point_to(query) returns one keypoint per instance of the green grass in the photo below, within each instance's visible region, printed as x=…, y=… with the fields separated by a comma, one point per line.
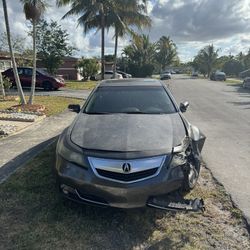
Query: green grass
x=54, y=105
x=234, y=81
x=33, y=216
x=80, y=85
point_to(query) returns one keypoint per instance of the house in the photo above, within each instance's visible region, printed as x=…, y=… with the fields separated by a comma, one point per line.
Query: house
x=21, y=61
x=68, y=69
x=5, y=61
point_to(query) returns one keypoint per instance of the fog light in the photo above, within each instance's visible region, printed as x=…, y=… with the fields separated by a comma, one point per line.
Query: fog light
x=67, y=189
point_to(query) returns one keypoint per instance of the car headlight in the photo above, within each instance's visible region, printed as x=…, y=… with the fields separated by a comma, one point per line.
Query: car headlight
x=71, y=155
x=180, y=153
x=57, y=80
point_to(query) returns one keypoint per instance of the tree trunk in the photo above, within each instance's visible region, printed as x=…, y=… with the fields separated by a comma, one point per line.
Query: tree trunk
x=115, y=55
x=103, y=42
x=17, y=80
x=33, y=85
x=2, y=86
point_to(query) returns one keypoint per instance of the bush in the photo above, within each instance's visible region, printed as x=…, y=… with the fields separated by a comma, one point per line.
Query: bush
x=87, y=67
x=7, y=83
x=141, y=71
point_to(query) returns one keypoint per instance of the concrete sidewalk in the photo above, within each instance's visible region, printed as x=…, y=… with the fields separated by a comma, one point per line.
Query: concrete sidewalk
x=18, y=149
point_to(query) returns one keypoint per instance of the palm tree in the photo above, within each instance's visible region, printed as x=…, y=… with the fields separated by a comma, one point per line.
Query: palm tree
x=208, y=57
x=33, y=10
x=129, y=13
x=93, y=15
x=141, y=51
x=166, y=52
x=17, y=80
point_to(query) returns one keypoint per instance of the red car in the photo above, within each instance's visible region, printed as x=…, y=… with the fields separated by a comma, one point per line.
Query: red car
x=43, y=79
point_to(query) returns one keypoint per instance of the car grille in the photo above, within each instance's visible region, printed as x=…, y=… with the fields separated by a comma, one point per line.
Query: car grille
x=127, y=171
x=127, y=177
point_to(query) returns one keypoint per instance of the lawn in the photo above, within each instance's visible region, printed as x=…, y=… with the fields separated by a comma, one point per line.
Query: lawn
x=54, y=105
x=80, y=85
x=33, y=216
x=234, y=81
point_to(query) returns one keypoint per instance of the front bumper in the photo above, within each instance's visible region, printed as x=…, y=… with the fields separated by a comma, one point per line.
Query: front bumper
x=82, y=185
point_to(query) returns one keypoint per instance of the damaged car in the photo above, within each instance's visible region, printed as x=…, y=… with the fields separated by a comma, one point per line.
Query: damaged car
x=130, y=146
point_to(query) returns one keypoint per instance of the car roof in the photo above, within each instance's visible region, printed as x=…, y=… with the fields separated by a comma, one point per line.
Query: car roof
x=130, y=82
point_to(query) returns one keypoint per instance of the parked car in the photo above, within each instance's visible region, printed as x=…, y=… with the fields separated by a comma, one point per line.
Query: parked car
x=108, y=75
x=43, y=79
x=195, y=74
x=246, y=82
x=165, y=75
x=218, y=76
x=129, y=145
x=124, y=74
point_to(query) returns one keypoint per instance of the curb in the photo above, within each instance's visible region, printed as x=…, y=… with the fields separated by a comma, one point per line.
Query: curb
x=12, y=166
x=245, y=218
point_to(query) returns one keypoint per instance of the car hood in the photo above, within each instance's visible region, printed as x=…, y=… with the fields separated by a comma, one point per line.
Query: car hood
x=128, y=132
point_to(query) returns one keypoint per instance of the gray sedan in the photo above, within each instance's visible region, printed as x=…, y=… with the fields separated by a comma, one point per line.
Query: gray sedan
x=129, y=145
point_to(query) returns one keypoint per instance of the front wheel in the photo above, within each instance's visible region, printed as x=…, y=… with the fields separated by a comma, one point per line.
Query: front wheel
x=47, y=86
x=191, y=175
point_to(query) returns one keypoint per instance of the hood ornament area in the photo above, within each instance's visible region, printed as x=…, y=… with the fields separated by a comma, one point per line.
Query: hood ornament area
x=126, y=167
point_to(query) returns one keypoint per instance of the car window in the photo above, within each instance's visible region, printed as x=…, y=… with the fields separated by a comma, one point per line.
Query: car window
x=130, y=99
x=20, y=71
x=109, y=73
x=28, y=72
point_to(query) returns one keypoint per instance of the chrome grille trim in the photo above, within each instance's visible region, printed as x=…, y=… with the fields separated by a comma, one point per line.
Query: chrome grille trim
x=137, y=165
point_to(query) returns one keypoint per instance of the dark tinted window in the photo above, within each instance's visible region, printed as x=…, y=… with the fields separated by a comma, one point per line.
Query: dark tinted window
x=28, y=72
x=20, y=71
x=130, y=99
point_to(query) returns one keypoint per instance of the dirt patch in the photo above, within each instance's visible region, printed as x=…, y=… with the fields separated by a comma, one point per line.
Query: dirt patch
x=9, y=98
x=33, y=216
x=37, y=108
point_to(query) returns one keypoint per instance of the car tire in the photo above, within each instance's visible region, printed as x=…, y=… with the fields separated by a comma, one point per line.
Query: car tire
x=191, y=175
x=92, y=78
x=47, y=86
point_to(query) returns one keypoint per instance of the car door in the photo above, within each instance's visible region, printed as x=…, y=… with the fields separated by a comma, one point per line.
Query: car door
x=39, y=79
x=21, y=73
x=27, y=78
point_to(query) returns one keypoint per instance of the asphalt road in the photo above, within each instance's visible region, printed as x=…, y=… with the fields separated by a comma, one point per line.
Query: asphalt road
x=222, y=112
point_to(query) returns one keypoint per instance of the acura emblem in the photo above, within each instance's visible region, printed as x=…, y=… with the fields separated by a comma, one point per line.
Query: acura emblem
x=126, y=167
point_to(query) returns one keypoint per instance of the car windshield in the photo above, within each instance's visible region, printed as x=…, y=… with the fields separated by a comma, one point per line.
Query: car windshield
x=43, y=72
x=130, y=100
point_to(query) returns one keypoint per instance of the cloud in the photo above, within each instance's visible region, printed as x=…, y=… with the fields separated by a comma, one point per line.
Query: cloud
x=192, y=24
x=201, y=20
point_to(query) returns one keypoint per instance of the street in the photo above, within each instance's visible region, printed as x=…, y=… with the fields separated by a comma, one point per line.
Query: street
x=222, y=111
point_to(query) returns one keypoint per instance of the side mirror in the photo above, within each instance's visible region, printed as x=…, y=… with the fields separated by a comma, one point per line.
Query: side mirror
x=74, y=107
x=184, y=106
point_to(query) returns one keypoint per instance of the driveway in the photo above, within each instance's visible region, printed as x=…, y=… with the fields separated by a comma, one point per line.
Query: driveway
x=81, y=94
x=222, y=112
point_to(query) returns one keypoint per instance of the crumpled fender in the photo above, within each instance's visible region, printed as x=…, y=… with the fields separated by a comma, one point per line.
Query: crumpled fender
x=195, y=134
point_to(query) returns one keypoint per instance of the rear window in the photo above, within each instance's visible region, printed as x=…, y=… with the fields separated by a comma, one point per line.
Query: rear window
x=130, y=99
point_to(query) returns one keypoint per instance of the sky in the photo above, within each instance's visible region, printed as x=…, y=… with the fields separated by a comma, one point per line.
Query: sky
x=191, y=24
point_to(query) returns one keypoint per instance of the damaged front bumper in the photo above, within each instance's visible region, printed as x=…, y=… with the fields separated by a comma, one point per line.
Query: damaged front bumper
x=176, y=202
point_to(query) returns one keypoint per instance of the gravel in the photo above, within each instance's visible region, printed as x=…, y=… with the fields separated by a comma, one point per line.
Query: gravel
x=6, y=130
x=16, y=116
